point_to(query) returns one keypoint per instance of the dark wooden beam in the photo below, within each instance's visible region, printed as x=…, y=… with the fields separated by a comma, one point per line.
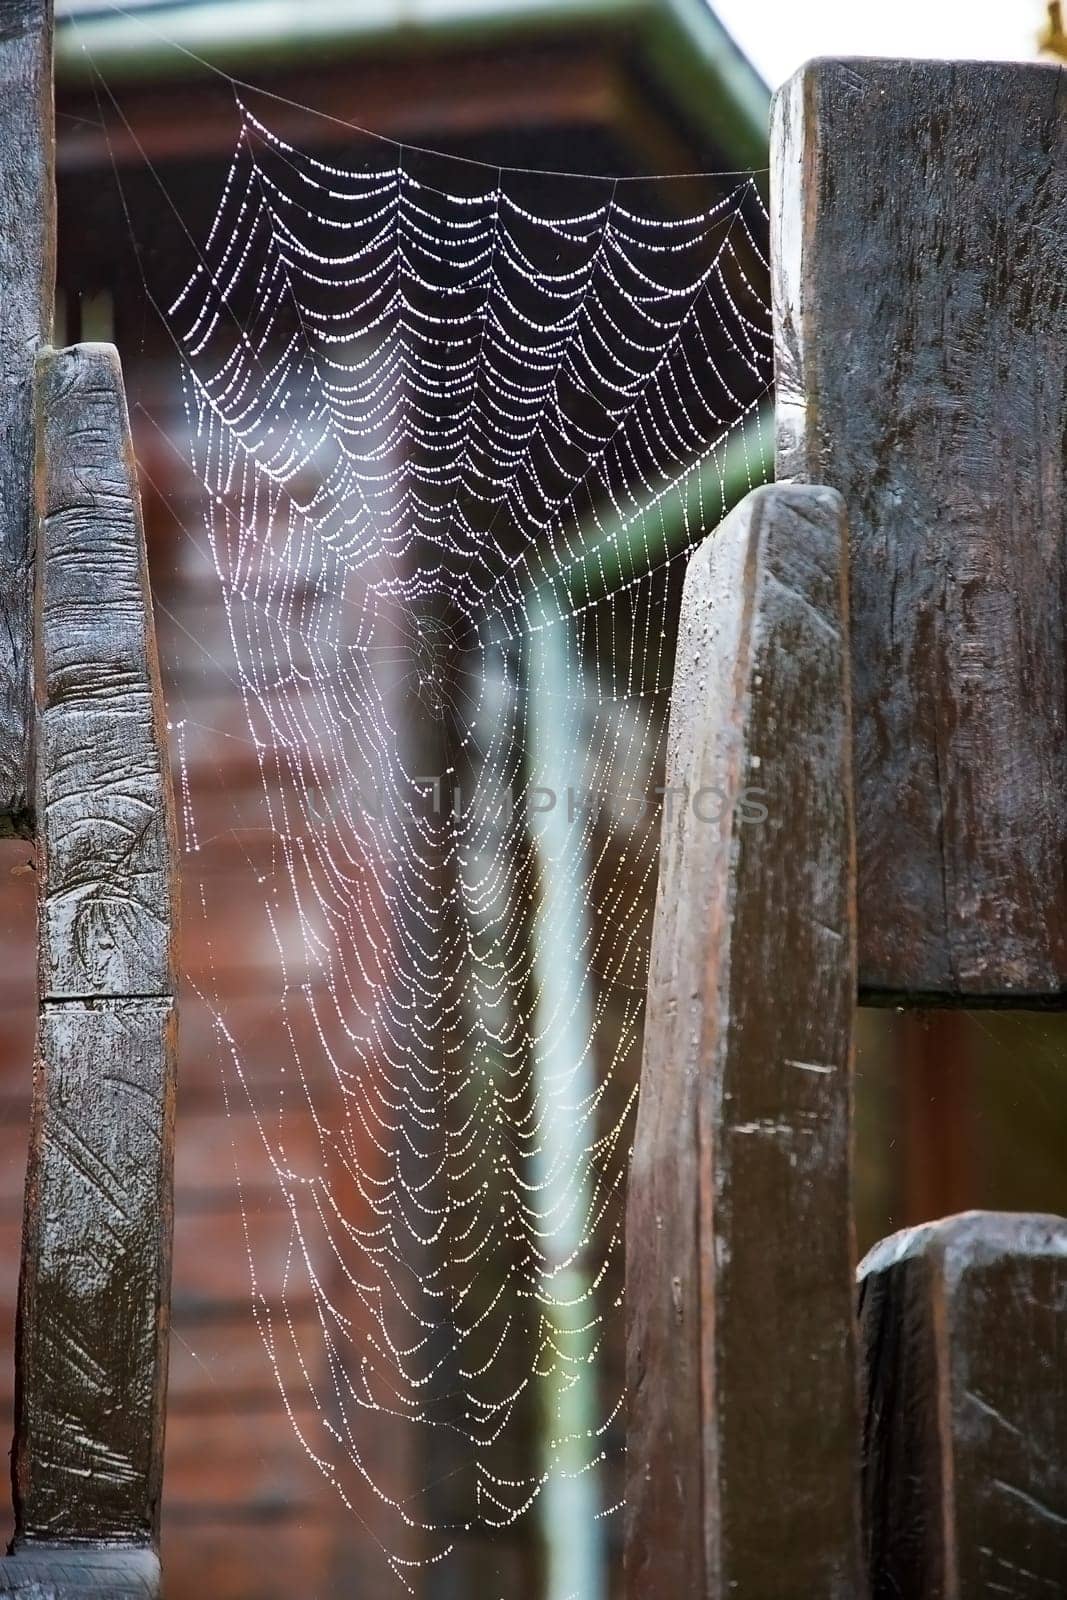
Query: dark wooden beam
x=964, y=1330
x=743, y=1443
x=474, y=95
x=920, y=233
x=80, y=1575
x=94, y=1296
x=27, y=277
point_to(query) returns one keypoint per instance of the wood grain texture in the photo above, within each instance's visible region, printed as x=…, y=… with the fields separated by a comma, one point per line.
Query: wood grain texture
x=919, y=229
x=88, y=1449
x=964, y=1333
x=103, y=799
x=80, y=1575
x=94, y=1291
x=27, y=279
x=743, y=1441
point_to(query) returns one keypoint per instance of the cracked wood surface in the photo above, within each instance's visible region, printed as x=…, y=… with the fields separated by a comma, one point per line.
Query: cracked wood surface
x=964, y=1332
x=919, y=235
x=27, y=276
x=743, y=1438
x=102, y=796
x=94, y=1293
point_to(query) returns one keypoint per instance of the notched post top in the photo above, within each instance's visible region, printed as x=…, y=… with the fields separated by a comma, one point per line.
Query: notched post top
x=963, y=1332
x=919, y=243
x=743, y=1443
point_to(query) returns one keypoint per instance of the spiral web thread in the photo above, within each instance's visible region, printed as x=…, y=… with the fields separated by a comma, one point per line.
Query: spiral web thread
x=458, y=431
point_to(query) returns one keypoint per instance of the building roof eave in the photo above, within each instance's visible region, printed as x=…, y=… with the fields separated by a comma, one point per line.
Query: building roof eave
x=683, y=42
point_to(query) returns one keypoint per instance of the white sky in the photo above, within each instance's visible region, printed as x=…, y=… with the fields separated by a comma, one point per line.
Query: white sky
x=779, y=35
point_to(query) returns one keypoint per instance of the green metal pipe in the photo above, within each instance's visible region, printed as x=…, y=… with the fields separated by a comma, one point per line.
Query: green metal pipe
x=564, y=1070
x=617, y=550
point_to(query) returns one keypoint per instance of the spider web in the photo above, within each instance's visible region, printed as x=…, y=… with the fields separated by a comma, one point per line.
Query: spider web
x=459, y=429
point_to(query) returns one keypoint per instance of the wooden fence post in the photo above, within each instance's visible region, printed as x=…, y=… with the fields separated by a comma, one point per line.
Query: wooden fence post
x=94, y=1292
x=919, y=234
x=743, y=1446
x=27, y=279
x=94, y=1295
x=964, y=1328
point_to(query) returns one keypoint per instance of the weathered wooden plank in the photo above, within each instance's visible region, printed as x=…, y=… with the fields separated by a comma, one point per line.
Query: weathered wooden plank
x=743, y=1442
x=27, y=274
x=96, y=1268
x=964, y=1331
x=78, y=1574
x=94, y=1291
x=919, y=232
x=104, y=811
